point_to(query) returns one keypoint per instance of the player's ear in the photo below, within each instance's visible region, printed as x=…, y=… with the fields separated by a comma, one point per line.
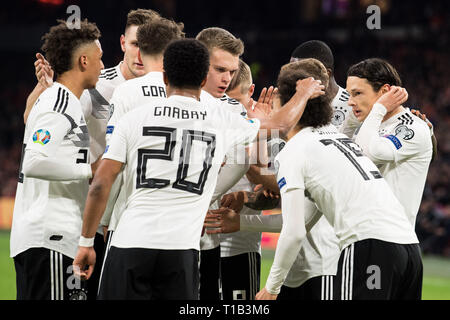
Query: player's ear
x=139, y=56
x=166, y=81
x=122, y=42
x=83, y=62
x=251, y=90
x=203, y=82
x=385, y=88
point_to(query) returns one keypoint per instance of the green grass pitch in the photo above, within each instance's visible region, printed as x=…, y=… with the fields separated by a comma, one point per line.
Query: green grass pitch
x=436, y=282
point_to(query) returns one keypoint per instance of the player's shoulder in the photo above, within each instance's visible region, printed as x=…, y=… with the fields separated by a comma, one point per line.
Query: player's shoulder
x=59, y=99
x=109, y=74
x=409, y=127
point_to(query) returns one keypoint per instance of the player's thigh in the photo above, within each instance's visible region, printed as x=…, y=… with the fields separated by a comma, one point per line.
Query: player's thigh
x=176, y=275
x=44, y=274
x=242, y=284
x=370, y=269
x=127, y=274
x=210, y=274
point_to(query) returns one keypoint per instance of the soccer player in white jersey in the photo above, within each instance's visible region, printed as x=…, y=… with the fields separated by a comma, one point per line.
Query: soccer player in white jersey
x=153, y=39
x=241, y=250
x=380, y=256
x=224, y=49
x=171, y=152
x=95, y=102
x=55, y=169
x=396, y=140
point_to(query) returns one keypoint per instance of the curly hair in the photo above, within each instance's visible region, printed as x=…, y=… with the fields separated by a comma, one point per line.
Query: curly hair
x=153, y=37
x=61, y=42
x=186, y=63
x=318, y=111
x=377, y=72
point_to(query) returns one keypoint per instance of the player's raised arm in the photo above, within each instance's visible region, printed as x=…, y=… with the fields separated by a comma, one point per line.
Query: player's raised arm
x=44, y=75
x=288, y=116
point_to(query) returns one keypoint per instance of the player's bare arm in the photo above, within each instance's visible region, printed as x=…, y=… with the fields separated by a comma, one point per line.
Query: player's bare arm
x=44, y=75
x=288, y=116
x=95, y=205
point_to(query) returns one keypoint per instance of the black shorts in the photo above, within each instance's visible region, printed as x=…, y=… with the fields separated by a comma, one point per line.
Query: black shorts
x=210, y=281
x=149, y=274
x=317, y=288
x=240, y=276
x=378, y=270
x=99, y=247
x=44, y=274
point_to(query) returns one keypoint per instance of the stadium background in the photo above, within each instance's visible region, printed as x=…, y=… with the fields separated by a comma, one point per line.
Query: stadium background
x=414, y=37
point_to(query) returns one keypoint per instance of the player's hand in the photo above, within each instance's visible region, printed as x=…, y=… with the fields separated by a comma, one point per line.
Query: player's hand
x=310, y=88
x=263, y=107
x=234, y=200
x=394, y=98
x=265, y=295
x=267, y=193
x=223, y=220
x=85, y=258
x=43, y=71
x=422, y=116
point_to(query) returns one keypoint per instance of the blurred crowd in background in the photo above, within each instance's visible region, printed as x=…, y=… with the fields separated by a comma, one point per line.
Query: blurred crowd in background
x=414, y=37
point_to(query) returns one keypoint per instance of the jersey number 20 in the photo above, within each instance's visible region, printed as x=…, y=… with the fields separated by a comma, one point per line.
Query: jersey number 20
x=169, y=134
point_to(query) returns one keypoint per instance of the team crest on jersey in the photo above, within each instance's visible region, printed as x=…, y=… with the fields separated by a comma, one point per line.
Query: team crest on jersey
x=338, y=118
x=250, y=120
x=404, y=132
x=41, y=136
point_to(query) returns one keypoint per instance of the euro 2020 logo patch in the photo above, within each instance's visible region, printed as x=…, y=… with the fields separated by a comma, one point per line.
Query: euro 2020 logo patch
x=41, y=136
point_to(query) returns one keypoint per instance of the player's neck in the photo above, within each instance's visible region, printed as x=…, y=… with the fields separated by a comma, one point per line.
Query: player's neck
x=126, y=73
x=393, y=113
x=153, y=64
x=72, y=82
x=190, y=93
x=293, y=132
x=334, y=87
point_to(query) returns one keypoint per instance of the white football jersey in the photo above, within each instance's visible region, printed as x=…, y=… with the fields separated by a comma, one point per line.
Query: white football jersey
x=128, y=96
x=341, y=109
x=95, y=105
x=48, y=213
x=172, y=150
x=364, y=207
x=406, y=175
x=235, y=155
x=320, y=251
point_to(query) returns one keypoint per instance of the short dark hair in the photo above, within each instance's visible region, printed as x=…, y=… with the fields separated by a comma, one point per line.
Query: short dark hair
x=222, y=39
x=139, y=17
x=315, y=49
x=318, y=111
x=61, y=42
x=153, y=37
x=243, y=78
x=186, y=63
x=377, y=72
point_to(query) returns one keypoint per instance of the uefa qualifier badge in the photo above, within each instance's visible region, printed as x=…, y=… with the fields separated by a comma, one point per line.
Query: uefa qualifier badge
x=41, y=136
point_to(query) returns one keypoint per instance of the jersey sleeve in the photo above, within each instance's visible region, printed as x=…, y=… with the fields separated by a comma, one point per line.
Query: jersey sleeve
x=116, y=149
x=48, y=132
x=40, y=160
x=117, y=110
x=290, y=172
x=241, y=130
x=404, y=142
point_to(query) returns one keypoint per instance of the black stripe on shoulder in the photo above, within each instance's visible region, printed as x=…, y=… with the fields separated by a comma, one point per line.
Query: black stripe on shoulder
x=57, y=99
x=63, y=101
x=109, y=70
x=67, y=102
